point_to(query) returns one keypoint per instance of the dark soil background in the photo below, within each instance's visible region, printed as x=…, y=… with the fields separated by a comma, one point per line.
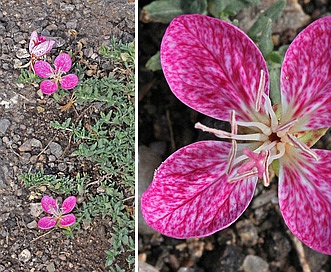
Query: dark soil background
x=28, y=143
x=259, y=240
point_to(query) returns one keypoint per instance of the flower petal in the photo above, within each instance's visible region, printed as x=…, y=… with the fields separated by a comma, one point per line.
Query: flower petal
x=68, y=204
x=43, y=69
x=67, y=220
x=46, y=222
x=69, y=81
x=33, y=40
x=305, y=77
x=212, y=66
x=49, y=204
x=305, y=200
x=190, y=195
x=48, y=86
x=63, y=62
x=43, y=48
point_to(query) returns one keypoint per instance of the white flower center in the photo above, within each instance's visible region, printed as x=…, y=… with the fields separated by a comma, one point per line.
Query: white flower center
x=271, y=138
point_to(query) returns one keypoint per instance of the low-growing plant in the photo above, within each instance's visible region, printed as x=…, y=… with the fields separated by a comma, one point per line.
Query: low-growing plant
x=106, y=138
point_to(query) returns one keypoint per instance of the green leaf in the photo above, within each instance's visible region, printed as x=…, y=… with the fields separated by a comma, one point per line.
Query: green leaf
x=275, y=11
x=194, y=7
x=154, y=63
x=260, y=32
x=224, y=8
x=162, y=11
x=274, y=93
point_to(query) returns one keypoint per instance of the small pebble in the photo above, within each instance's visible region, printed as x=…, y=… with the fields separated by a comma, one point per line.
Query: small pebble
x=247, y=232
x=4, y=124
x=36, y=209
x=24, y=256
x=50, y=267
x=32, y=225
x=254, y=263
x=56, y=149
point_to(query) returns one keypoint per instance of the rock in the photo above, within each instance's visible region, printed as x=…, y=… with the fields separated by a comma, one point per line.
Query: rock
x=280, y=249
x=36, y=209
x=315, y=259
x=148, y=161
x=55, y=149
x=30, y=144
x=218, y=260
x=4, y=124
x=32, y=225
x=145, y=267
x=263, y=199
x=24, y=256
x=25, y=158
x=22, y=53
x=247, y=232
x=72, y=24
x=50, y=267
x=254, y=263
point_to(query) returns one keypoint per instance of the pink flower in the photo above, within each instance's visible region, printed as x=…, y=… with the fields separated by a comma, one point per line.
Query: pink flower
x=62, y=65
x=59, y=216
x=214, y=68
x=39, y=46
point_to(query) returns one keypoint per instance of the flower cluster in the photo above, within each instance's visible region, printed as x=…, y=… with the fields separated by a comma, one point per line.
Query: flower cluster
x=60, y=216
x=216, y=69
x=39, y=46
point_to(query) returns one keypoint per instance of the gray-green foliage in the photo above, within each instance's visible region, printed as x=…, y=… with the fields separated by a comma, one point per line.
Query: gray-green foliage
x=106, y=138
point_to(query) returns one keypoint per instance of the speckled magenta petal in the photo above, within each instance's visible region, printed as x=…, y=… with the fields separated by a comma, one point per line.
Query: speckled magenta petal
x=43, y=69
x=48, y=86
x=49, y=204
x=190, y=195
x=305, y=200
x=69, y=81
x=306, y=77
x=212, y=66
x=47, y=222
x=63, y=62
x=67, y=220
x=68, y=204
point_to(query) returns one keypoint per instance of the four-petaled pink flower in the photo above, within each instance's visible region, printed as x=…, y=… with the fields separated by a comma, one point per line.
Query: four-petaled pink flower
x=214, y=68
x=60, y=216
x=62, y=65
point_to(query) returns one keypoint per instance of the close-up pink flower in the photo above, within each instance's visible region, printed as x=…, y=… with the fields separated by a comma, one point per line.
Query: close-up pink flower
x=62, y=65
x=216, y=69
x=60, y=216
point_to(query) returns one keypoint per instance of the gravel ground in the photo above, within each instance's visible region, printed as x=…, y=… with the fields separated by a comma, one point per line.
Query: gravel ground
x=259, y=240
x=27, y=143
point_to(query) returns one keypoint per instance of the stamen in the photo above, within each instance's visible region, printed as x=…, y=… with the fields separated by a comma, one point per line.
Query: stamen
x=227, y=135
x=216, y=132
x=232, y=154
x=303, y=147
x=285, y=127
x=270, y=111
x=281, y=149
x=266, y=179
x=260, y=91
x=233, y=150
x=233, y=122
x=245, y=175
x=264, y=128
